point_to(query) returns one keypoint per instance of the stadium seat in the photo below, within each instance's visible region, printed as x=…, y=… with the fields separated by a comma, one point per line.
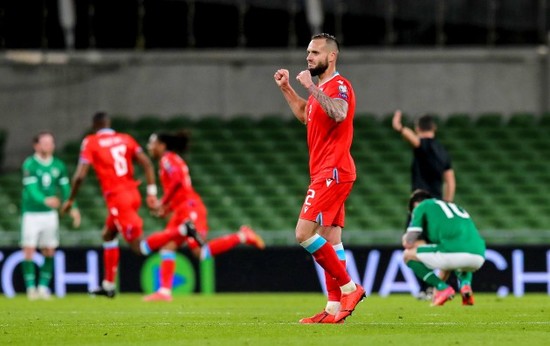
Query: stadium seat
x=489, y=120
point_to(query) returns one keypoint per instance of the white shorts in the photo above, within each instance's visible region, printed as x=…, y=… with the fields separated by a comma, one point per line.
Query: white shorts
x=463, y=261
x=40, y=229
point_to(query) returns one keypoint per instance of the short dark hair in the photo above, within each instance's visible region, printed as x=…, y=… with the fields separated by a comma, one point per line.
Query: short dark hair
x=100, y=116
x=418, y=196
x=426, y=123
x=177, y=142
x=101, y=120
x=39, y=135
x=328, y=38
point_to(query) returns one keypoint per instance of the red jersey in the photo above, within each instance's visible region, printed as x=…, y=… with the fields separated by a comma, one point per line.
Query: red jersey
x=176, y=181
x=111, y=154
x=329, y=142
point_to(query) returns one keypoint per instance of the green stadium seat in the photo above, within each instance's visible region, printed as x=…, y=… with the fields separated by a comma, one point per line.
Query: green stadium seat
x=178, y=122
x=457, y=120
x=522, y=120
x=494, y=120
x=121, y=122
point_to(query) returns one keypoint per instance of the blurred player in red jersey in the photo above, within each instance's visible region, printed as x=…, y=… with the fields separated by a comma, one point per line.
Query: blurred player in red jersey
x=180, y=202
x=328, y=115
x=111, y=154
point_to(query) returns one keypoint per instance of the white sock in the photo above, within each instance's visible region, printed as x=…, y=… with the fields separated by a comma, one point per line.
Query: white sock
x=108, y=286
x=348, y=288
x=332, y=307
x=165, y=291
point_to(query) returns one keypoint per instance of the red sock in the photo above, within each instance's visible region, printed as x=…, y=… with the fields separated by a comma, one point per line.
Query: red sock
x=156, y=240
x=223, y=243
x=167, y=269
x=111, y=256
x=333, y=290
x=328, y=260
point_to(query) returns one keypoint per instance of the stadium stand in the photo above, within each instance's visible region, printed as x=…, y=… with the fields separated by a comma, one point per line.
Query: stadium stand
x=255, y=172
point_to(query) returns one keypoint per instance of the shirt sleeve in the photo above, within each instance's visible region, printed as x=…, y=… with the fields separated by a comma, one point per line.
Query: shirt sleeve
x=65, y=183
x=86, y=151
x=417, y=219
x=30, y=184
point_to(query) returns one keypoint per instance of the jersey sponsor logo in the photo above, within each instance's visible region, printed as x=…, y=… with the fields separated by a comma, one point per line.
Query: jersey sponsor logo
x=329, y=181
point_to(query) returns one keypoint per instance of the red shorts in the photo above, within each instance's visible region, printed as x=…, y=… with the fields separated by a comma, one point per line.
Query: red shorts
x=123, y=216
x=324, y=202
x=196, y=211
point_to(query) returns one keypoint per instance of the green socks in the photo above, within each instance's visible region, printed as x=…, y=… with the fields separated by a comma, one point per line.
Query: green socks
x=427, y=275
x=46, y=272
x=464, y=278
x=29, y=273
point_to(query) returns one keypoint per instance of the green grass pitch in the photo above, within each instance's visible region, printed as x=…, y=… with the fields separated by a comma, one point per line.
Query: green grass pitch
x=272, y=319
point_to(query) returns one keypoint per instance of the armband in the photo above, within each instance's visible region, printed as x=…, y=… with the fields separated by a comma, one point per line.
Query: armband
x=152, y=190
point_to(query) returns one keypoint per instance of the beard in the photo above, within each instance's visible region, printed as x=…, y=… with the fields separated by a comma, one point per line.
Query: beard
x=318, y=70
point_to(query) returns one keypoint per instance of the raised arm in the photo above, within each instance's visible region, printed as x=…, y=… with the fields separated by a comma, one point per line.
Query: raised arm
x=296, y=102
x=408, y=134
x=336, y=109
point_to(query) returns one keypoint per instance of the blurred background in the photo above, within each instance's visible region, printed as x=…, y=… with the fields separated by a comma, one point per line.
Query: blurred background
x=480, y=66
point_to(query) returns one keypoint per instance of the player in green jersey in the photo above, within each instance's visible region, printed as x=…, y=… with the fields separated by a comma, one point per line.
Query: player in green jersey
x=45, y=180
x=453, y=243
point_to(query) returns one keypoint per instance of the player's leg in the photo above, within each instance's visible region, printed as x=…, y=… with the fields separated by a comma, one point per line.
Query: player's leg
x=46, y=274
x=245, y=235
x=29, y=241
x=333, y=235
x=334, y=294
x=426, y=291
x=180, y=229
x=166, y=273
x=168, y=261
x=465, y=286
x=321, y=206
x=198, y=214
x=158, y=239
x=423, y=260
x=111, y=257
x=48, y=242
x=466, y=263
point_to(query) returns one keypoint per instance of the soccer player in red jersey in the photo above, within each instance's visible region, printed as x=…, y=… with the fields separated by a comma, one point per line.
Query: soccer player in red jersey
x=328, y=115
x=111, y=154
x=180, y=202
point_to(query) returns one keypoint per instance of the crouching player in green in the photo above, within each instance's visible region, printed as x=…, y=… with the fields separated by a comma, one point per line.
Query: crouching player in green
x=453, y=244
